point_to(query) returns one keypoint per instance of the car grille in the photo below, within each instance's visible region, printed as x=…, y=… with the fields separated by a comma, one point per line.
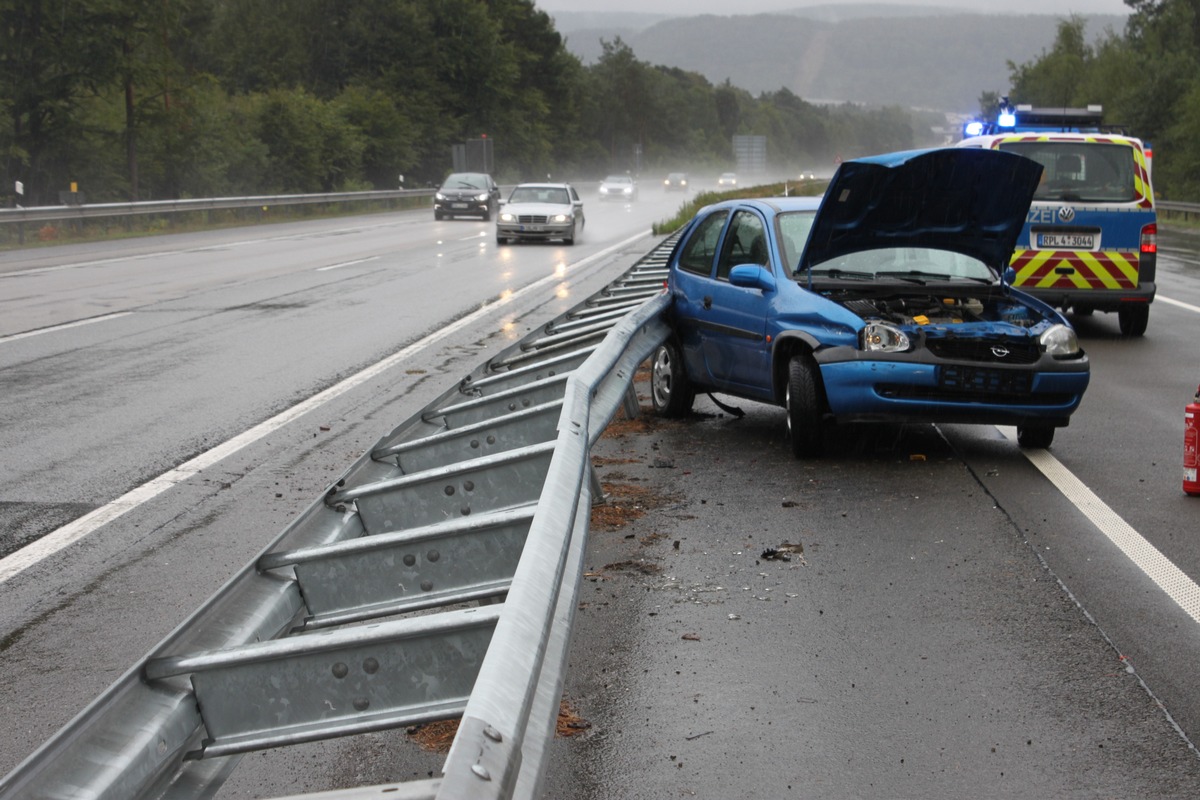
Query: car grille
x=983, y=351
x=532, y=219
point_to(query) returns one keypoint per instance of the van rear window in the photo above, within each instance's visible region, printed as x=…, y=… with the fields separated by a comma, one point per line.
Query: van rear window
x=1081, y=171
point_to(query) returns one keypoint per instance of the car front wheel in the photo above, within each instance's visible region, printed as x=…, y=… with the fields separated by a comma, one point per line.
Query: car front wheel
x=570, y=239
x=802, y=400
x=670, y=389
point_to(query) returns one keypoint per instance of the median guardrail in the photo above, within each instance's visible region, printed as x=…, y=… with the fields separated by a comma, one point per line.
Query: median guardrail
x=436, y=579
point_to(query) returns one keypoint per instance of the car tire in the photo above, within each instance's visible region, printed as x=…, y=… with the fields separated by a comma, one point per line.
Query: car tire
x=1133, y=319
x=501, y=239
x=670, y=390
x=1035, y=436
x=570, y=239
x=802, y=400
x=487, y=215
x=437, y=215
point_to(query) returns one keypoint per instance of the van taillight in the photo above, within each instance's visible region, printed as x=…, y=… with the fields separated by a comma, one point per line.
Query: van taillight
x=1150, y=238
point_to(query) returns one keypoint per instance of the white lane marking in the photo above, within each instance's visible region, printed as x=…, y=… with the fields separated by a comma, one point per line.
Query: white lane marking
x=63, y=327
x=1172, y=580
x=1178, y=303
x=72, y=532
x=347, y=263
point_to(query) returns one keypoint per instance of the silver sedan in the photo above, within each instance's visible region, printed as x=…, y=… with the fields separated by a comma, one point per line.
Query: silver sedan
x=540, y=211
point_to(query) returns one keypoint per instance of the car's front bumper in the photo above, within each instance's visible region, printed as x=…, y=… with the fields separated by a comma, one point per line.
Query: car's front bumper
x=864, y=389
x=455, y=207
x=542, y=230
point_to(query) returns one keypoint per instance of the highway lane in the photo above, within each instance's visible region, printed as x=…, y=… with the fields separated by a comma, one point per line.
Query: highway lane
x=195, y=341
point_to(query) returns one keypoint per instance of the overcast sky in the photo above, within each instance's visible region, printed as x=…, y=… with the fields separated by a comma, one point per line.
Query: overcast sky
x=726, y=8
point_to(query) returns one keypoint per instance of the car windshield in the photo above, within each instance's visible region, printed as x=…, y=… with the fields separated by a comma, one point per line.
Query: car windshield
x=618, y=179
x=1081, y=171
x=465, y=180
x=794, y=227
x=911, y=264
x=540, y=194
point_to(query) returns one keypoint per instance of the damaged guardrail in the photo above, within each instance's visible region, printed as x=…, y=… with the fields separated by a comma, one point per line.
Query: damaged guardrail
x=436, y=579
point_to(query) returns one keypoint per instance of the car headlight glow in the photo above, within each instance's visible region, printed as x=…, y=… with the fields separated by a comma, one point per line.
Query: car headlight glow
x=1060, y=341
x=880, y=337
x=561, y=218
x=507, y=217
x=482, y=197
x=440, y=196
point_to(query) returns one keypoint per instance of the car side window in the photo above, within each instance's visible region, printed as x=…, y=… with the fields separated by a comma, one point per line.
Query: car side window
x=745, y=244
x=697, y=254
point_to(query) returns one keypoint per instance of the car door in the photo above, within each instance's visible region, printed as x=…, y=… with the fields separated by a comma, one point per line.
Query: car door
x=733, y=335
x=691, y=278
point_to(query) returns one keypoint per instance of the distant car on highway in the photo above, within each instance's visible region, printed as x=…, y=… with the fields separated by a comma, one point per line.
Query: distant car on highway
x=807, y=175
x=541, y=211
x=676, y=182
x=886, y=300
x=467, y=194
x=618, y=187
x=727, y=180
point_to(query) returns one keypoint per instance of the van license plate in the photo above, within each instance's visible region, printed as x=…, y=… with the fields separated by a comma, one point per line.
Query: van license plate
x=1067, y=241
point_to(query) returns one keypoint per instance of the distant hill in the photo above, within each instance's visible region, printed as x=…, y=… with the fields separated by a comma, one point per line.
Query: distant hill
x=911, y=56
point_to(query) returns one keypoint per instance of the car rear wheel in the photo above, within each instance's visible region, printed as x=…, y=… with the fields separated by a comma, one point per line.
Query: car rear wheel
x=1035, y=436
x=803, y=403
x=1133, y=319
x=670, y=389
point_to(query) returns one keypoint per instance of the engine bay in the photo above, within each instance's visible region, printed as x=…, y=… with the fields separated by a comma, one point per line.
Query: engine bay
x=926, y=309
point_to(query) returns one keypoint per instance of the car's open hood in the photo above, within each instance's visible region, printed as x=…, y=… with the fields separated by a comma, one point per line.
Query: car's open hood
x=968, y=200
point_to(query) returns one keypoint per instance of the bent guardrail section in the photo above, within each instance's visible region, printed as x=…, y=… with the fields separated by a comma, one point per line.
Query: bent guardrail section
x=436, y=579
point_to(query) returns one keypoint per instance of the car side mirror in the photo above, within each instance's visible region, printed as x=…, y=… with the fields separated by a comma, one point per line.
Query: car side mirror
x=752, y=276
x=1008, y=276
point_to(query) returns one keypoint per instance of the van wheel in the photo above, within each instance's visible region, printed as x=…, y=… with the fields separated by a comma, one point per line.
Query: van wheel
x=670, y=389
x=1035, y=436
x=803, y=402
x=1133, y=318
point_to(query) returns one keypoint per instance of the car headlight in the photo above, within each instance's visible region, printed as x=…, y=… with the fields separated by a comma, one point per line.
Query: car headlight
x=482, y=197
x=1060, y=341
x=880, y=337
x=507, y=217
x=439, y=196
x=561, y=218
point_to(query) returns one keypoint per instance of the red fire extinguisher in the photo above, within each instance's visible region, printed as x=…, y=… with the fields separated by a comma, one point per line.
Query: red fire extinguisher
x=1191, y=446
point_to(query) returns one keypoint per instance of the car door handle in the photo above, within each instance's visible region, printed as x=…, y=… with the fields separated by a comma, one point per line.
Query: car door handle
x=707, y=303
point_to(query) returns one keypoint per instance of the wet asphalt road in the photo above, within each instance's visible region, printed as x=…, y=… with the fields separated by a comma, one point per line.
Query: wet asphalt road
x=953, y=626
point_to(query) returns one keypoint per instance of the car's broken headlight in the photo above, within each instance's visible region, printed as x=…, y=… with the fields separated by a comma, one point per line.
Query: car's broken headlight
x=1060, y=341
x=883, y=338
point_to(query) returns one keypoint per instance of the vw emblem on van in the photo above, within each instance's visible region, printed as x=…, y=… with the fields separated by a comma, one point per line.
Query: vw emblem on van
x=1066, y=214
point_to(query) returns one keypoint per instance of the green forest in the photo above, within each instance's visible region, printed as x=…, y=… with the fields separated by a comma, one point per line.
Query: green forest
x=166, y=99
x=1147, y=77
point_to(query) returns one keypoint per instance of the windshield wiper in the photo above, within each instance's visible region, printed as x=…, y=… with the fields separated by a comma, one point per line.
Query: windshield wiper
x=850, y=274
x=915, y=276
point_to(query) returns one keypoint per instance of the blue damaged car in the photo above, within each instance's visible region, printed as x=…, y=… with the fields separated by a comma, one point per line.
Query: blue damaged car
x=886, y=300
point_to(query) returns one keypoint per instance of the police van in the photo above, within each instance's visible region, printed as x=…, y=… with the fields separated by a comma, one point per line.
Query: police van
x=1090, y=239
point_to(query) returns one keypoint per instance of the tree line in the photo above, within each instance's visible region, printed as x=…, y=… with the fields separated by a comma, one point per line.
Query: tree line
x=1146, y=76
x=164, y=99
